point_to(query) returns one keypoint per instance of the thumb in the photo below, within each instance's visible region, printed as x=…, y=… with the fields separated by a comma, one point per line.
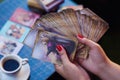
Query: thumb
x=86, y=41
x=62, y=54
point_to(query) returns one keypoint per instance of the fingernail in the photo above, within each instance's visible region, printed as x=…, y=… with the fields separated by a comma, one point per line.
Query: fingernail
x=59, y=48
x=80, y=36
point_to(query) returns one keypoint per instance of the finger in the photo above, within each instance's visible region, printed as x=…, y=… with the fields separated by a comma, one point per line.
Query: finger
x=63, y=54
x=86, y=41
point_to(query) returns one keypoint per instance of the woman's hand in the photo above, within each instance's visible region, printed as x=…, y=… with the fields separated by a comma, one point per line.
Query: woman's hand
x=69, y=70
x=97, y=61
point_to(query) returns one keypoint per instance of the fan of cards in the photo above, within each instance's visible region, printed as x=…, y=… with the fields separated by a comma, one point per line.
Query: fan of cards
x=61, y=28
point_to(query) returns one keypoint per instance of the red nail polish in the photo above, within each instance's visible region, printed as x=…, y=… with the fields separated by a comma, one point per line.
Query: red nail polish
x=80, y=36
x=59, y=48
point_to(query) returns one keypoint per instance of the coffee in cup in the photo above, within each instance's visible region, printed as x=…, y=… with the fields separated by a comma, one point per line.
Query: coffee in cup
x=12, y=63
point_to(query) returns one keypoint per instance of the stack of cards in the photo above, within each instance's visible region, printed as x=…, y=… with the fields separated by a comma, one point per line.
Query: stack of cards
x=49, y=5
x=68, y=23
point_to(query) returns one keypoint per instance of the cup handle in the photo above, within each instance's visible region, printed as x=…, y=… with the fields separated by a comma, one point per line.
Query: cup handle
x=24, y=61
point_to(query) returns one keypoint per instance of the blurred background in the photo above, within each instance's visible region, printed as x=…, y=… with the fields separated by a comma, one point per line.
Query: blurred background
x=109, y=11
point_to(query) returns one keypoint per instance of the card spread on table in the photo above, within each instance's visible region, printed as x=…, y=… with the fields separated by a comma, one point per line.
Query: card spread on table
x=8, y=46
x=24, y=17
x=14, y=31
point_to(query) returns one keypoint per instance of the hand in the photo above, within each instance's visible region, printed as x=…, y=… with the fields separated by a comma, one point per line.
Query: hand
x=97, y=61
x=69, y=70
x=97, y=58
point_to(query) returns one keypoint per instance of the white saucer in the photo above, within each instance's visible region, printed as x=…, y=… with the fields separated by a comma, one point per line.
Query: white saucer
x=23, y=74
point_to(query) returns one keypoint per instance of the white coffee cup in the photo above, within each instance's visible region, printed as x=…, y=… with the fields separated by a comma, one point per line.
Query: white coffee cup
x=12, y=63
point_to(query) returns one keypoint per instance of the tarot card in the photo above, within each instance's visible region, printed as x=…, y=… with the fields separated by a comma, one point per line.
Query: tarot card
x=49, y=5
x=69, y=16
x=24, y=17
x=14, y=31
x=45, y=47
x=91, y=28
x=49, y=23
x=59, y=24
x=92, y=14
x=41, y=25
x=31, y=37
x=53, y=23
x=82, y=52
x=78, y=7
x=101, y=28
x=8, y=46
